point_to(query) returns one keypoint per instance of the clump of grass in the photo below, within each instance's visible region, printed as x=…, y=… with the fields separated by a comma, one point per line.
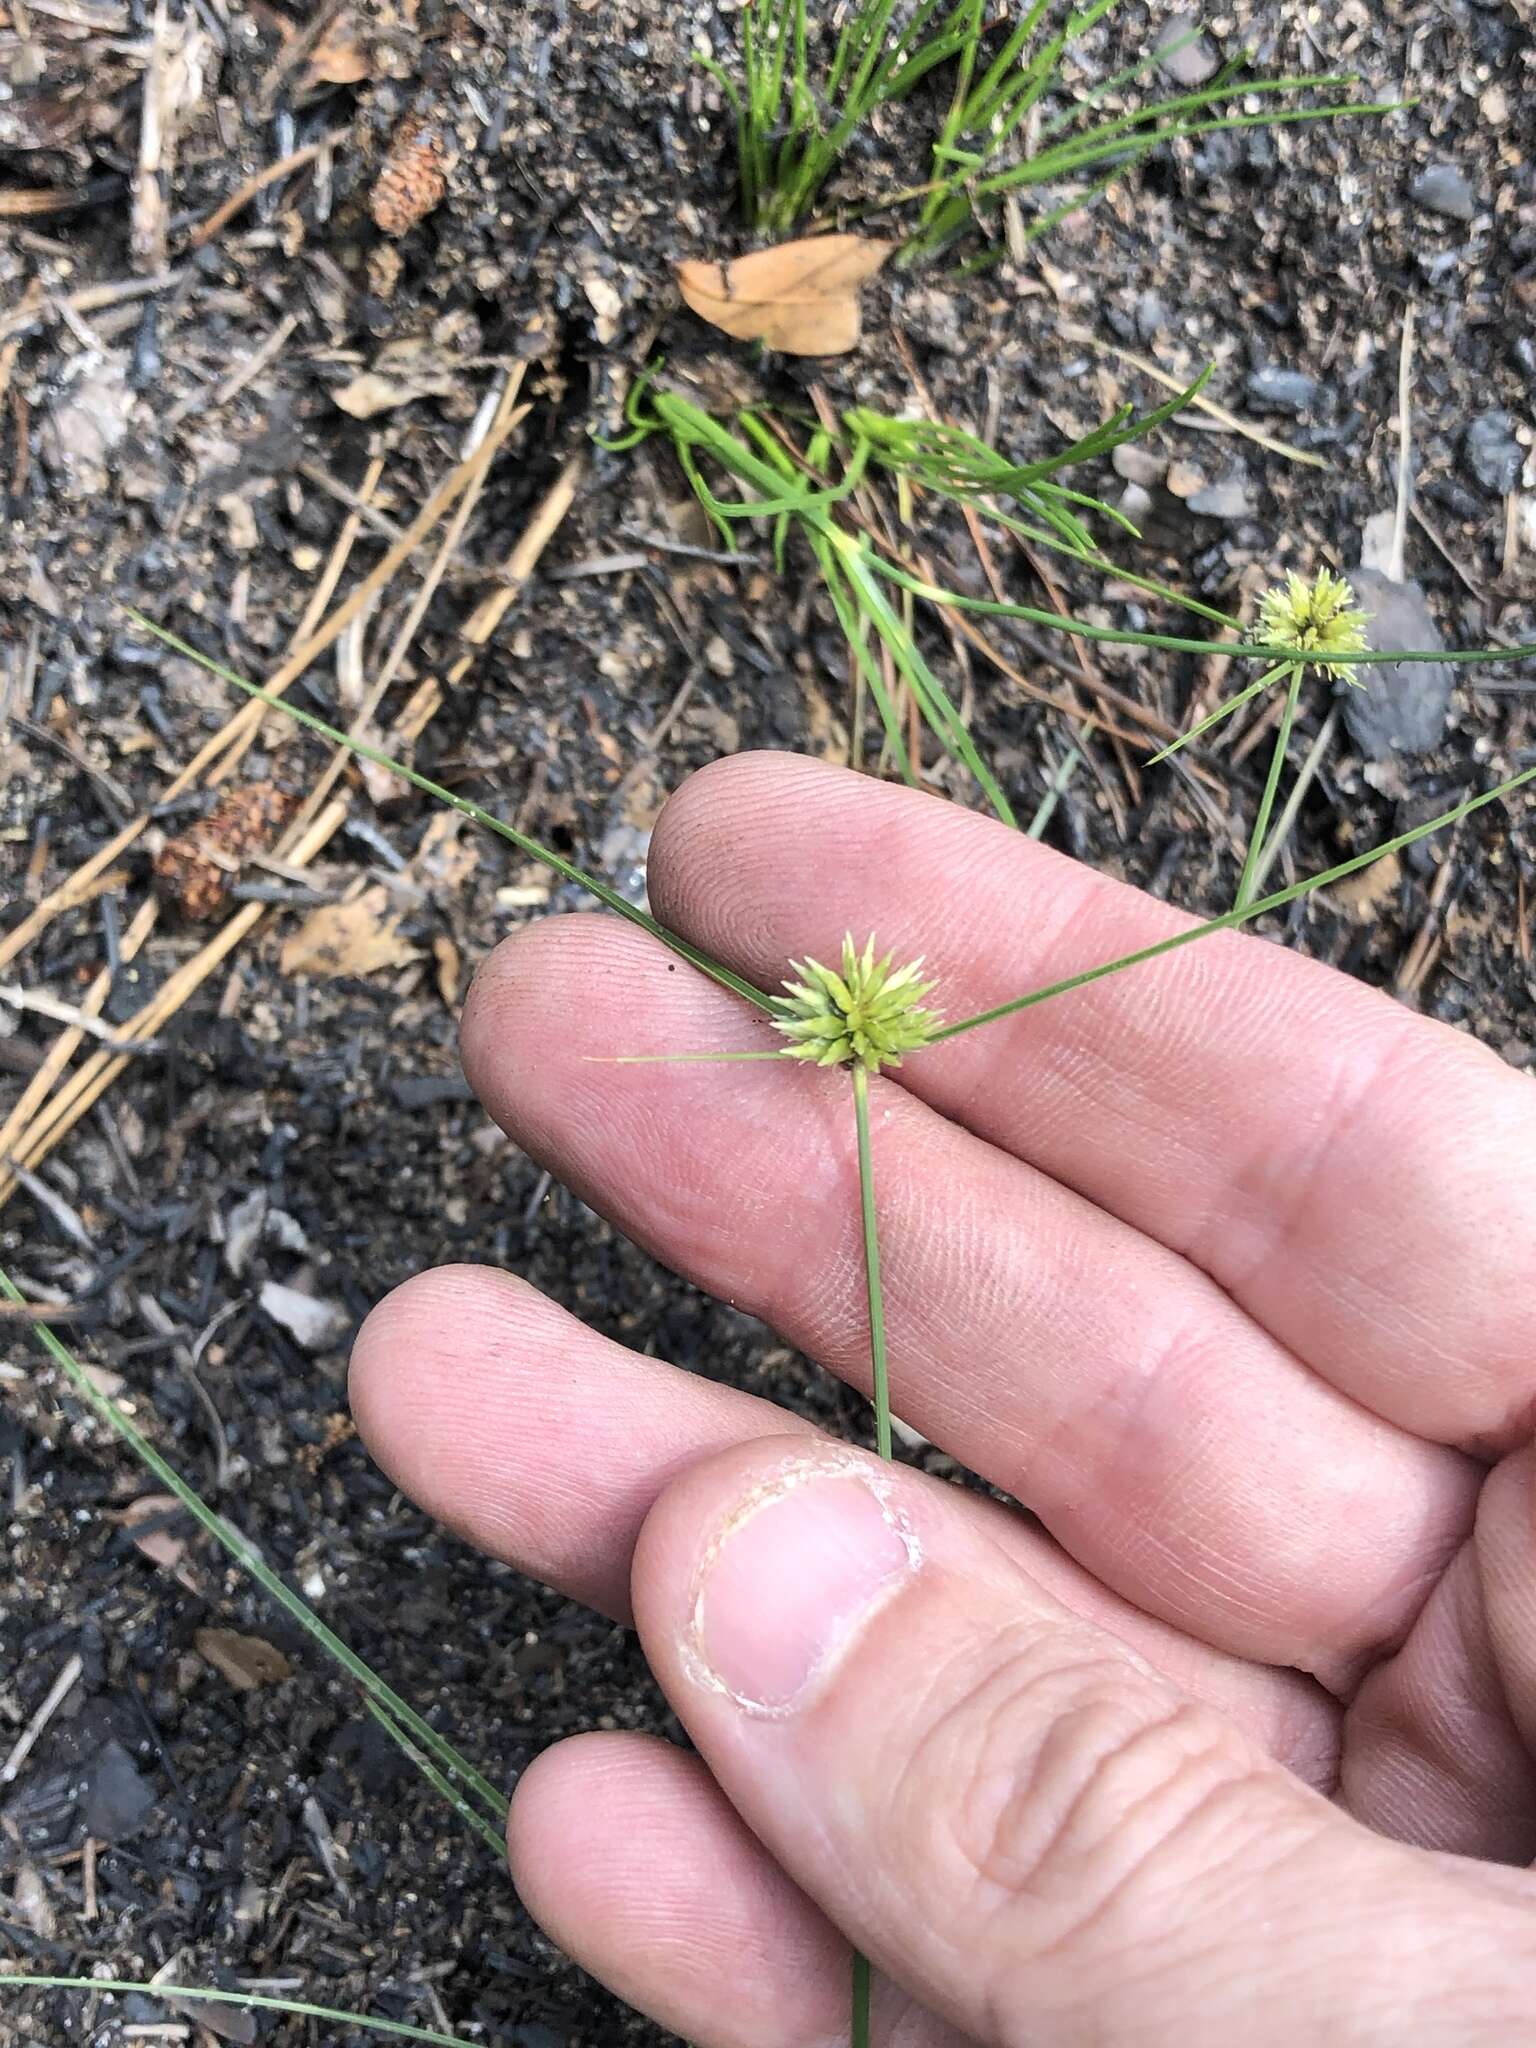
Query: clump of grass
x=995, y=114
x=791, y=491
x=796, y=117
x=793, y=122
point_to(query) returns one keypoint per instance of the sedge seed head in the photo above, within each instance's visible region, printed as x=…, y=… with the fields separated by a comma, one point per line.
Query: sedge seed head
x=868, y=1015
x=1318, y=613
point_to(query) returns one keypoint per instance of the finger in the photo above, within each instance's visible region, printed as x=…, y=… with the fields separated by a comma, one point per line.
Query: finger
x=1031, y=1832
x=1505, y=1546
x=630, y=1858
x=546, y=1445
x=1338, y=1165
x=1172, y=1447
x=1432, y=1753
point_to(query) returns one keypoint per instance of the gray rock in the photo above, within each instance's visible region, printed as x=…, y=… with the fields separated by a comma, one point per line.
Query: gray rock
x=117, y=1799
x=1274, y=389
x=1493, y=454
x=1230, y=497
x=1442, y=188
x=1396, y=709
x=1184, y=55
x=1152, y=316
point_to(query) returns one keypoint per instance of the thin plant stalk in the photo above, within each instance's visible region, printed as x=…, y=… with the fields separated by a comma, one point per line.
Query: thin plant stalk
x=1231, y=919
x=880, y=1378
x=1228, y=921
x=858, y=2018
x=1248, y=884
x=880, y=1394
x=545, y=855
x=402, y=2030
x=251, y=1561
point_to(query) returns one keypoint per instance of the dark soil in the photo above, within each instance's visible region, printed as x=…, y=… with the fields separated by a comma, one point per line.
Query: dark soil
x=585, y=154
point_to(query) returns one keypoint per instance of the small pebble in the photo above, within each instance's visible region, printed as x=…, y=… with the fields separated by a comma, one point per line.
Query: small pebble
x=1230, y=497
x=1195, y=62
x=1273, y=389
x=1493, y=454
x=1442, y=188
x=1396, y=710
x=117, y=1798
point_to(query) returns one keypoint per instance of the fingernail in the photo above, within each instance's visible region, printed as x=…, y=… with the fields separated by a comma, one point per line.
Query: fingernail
x=789, y=1583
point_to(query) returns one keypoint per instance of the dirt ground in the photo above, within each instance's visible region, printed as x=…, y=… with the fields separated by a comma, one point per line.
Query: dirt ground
x=172, y=436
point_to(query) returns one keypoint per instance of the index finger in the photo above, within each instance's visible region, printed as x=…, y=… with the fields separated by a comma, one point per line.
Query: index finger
x=1361, y=1180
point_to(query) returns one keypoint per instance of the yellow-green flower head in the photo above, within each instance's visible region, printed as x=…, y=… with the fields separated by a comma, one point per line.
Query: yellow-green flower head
x=869, y=1015
x=1318, y=613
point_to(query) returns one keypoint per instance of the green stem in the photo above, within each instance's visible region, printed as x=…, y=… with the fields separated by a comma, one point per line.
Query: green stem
x=880, y=1393
x=880, y=1381
x=858, y=2025
x=249, y=1559
x=546, y=856
x=211, y=1995
x=1232, y=918
x=1247, y=887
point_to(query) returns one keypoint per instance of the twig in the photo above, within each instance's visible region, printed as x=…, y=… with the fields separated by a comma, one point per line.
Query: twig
x=68, y=1043
x=92, y=1079
x=507, y=415
x=70, y=1013
x=91, y=298
x=1396, y=558
x=57, y=1694
x=242, y=195
x=294, y=52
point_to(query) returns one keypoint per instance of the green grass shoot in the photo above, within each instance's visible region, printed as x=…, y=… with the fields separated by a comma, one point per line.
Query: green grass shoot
x=794, y=119
x=209, y=1994
x=995, y=140
x=472, y=1796
x=798, y=105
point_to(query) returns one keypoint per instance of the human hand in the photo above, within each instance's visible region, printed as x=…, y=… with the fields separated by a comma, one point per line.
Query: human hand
x=1225, y=1267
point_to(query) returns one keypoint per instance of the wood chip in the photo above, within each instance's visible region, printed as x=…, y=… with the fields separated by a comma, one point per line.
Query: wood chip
x=360, y=937
x=801, y=297
x=245, y=1661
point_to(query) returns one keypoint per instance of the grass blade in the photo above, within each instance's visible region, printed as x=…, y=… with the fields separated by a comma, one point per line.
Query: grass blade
x=248, y=1558
x=1247, y=886
x=546, y=856
x=1231, y=919
x=402, y=2030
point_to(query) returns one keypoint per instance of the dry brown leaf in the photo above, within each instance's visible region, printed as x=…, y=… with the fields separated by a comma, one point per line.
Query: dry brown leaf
x=376, y=391
x=158, y=1544
x=359, y=937
x=801, y=297
x=246, y=1661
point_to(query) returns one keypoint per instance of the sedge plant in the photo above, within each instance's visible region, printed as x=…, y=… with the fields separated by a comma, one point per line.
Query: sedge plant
x=798, y=107
x=995, y=141
x=865, y=1015
x=790, y=490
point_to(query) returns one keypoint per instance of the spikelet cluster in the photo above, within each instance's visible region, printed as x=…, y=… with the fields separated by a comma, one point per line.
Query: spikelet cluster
x=868, y=1015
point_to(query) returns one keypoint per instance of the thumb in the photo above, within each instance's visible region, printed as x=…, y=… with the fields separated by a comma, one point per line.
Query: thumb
x=1011, y=1813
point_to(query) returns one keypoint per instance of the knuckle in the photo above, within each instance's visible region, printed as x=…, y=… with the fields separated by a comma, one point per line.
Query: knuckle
x=1085, y=1807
